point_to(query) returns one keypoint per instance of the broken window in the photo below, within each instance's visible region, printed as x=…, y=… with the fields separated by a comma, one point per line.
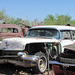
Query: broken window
x=8, y=30
x=53, y=33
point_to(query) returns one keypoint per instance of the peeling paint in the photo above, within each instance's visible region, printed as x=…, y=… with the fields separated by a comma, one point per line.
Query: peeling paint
x=21, y=42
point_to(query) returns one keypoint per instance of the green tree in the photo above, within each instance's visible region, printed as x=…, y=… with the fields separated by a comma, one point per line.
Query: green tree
x=72, y=22
x=26, y=22
x=62, y=19
x=36, y=22
x=57, y=20
x=2, y=14
x=49, y=20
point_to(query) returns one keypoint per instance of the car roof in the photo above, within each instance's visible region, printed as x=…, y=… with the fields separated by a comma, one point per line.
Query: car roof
x=58, y=27
x=10, y=26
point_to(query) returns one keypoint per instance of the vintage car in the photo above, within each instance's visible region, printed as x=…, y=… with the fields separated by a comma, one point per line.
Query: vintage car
x=12, y=30
x=42, y=44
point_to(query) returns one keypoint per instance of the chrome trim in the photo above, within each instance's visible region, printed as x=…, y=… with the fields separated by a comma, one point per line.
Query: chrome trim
x=21, y=53
x=30, y=57
x=59, y=63
x=24, y=56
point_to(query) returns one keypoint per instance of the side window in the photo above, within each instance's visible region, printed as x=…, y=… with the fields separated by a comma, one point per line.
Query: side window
x=65, y=35
x=73, y=34
x=8, y=30
x=15, y=30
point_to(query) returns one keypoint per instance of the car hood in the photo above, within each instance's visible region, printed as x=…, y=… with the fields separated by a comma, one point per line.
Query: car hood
x=19, y=43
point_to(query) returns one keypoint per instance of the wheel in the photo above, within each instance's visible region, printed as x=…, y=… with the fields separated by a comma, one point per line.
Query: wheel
x=41, y=64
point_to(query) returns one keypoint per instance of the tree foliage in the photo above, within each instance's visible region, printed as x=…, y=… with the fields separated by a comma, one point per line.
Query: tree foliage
x=36, y=22
x=2, y=14
x=57, y=20
x=49, y=20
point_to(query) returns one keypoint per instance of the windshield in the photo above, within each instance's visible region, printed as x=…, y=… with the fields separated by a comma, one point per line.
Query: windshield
x=51, y=33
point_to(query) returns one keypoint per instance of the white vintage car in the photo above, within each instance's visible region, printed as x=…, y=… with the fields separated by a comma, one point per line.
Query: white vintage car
x=42, y=43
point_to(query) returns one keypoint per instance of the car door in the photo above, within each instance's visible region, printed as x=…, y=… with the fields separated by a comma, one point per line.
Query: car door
x=66, y=38
x=9, y=33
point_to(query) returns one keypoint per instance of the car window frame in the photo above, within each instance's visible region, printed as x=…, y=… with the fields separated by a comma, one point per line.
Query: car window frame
x=70, y=34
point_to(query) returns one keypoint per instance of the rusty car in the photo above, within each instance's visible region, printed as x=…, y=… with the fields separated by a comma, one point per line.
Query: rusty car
x=12, y=30
x=41, y=45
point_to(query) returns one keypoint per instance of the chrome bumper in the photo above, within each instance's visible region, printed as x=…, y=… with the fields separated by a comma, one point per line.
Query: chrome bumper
x=21, y=59
x=59, y=63
x=34, y=58
x=19, y=63
x=24, y=56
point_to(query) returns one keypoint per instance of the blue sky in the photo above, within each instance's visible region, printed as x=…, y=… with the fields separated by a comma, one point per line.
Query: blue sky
x=31, y=9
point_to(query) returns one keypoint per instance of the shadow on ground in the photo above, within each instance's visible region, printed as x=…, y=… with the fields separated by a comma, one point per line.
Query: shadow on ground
x=10, y=69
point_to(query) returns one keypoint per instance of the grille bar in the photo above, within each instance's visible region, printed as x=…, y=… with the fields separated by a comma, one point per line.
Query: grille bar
x=67, y=60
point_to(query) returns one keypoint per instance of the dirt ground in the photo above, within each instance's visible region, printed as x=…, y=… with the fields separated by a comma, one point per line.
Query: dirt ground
x=10, y=69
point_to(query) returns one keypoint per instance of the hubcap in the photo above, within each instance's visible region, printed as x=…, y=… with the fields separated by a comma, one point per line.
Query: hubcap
x=42, y=64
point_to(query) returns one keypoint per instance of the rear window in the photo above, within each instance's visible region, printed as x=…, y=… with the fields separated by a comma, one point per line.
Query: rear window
x=8, y=30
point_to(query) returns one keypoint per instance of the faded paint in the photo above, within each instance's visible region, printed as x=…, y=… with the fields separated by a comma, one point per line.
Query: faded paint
x=58, y=27
x=19, y=43
x=22, y=31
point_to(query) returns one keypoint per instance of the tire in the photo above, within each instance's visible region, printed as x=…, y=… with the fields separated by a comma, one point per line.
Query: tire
x=41, y=64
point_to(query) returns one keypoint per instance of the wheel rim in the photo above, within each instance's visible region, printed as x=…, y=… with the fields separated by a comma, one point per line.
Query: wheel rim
x=42, y=64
